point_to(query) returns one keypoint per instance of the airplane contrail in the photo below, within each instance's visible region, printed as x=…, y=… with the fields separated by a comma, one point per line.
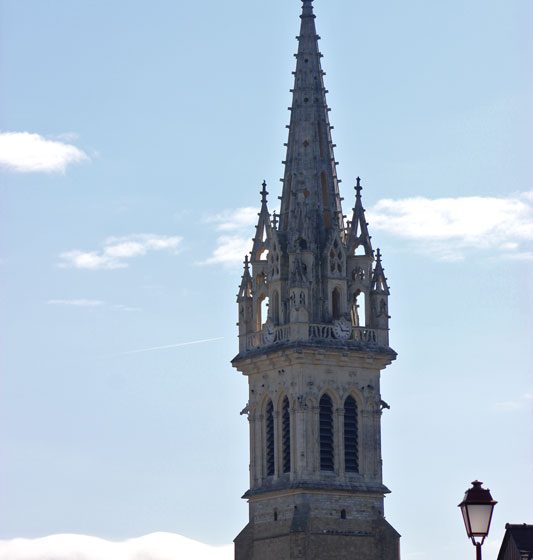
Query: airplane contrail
x=170, y=346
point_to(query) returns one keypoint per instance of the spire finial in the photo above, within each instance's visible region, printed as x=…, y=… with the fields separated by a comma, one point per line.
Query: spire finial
x=274, y=220
x=246, y=264
x=264, y=193
x=378, y=255
x=358, y=187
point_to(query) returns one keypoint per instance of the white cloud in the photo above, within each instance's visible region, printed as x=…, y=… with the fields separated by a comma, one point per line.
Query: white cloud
x=157, y=546
x=444, y=228
x=76, y=302
x=448, y=227
x=117, y=250
x=27, y=152
x=230, y=249
x=231, y=220
x=236, y=232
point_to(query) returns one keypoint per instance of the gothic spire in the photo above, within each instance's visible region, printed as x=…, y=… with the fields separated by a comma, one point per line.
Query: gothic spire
x=310, y=202
x=245, y=289
x=379, y=282
x=263, y=228
x=358, y=235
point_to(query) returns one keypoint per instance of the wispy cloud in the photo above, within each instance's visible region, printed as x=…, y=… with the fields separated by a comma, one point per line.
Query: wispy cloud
x=157, y=546
x=117, y=251
x=76, y=302
x=90, y=303
x=235, y=229
x=516, y=404
x=27, y=152
x=447, y=228
x=169, y=346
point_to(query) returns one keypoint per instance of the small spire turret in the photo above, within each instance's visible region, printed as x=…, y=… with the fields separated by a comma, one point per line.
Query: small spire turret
x=245, y=302
x=358, y=235
x=379, y=298
x=245, y=289
x=379, y=281
x=263, y=228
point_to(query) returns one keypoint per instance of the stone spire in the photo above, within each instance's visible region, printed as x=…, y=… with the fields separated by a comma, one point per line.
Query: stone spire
x=263, y=228
x=358, y=235
x=379, y=282
x=310, y=202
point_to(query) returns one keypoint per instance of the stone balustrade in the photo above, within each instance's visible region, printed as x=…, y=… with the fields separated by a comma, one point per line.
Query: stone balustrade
x=314, y=332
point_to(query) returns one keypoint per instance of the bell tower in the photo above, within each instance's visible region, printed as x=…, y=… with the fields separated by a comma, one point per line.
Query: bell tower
x=313, y=340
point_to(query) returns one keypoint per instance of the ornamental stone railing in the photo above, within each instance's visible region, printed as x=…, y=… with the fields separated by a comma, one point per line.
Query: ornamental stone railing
x=314, y=332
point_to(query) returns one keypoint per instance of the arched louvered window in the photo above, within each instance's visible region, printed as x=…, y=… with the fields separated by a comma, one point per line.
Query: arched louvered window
x=286, y=435
x=351, y=443
x=326, y=434
x=269, y=433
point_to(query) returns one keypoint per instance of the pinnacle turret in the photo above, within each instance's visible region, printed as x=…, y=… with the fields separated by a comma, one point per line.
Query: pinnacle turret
x=379, y=281
x=263, y=228
x=358, y=235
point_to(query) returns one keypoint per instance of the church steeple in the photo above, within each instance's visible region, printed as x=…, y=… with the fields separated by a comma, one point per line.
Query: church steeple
x=310, y=202
x=313, y=340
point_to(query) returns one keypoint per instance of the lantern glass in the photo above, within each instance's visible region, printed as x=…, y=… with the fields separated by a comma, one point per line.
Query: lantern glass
x=479, y=516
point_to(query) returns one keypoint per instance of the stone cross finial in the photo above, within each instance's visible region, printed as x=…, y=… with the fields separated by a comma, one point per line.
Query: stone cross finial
x=358, y=187
x=264, y=193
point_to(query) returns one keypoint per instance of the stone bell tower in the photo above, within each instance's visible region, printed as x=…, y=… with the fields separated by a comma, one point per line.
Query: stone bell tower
x=313, y=339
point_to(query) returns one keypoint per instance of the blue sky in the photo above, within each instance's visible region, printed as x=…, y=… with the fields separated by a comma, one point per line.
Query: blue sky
x=134, y=141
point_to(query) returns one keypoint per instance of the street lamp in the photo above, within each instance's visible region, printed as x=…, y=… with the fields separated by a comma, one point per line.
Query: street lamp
x=477, y=507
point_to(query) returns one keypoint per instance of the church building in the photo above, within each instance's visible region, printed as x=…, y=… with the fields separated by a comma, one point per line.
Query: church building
x=313, y=339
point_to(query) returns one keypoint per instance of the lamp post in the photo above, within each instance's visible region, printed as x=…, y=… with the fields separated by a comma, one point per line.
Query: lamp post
x=477, y=507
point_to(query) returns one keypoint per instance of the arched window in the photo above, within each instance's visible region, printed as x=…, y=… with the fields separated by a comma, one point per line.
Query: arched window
x=269, y=434
x=343, y=514
x=336, y=303
x=286, y=435
x=351, y=444
x=326, y=434
x=358, y=309
x=261, y=311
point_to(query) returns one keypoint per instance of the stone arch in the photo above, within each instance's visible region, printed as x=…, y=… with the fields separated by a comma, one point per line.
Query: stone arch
x=358, y=308
x=261, y=310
